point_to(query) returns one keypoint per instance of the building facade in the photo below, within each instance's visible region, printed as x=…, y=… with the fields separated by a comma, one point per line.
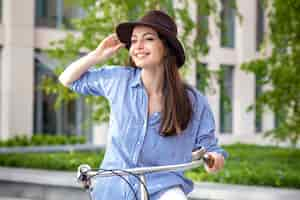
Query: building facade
x=28, y=26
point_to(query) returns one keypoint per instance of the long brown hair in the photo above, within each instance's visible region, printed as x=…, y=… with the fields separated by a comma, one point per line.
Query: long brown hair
x=177, y=108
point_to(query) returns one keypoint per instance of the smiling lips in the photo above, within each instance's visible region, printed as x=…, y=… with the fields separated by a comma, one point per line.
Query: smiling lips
x=141, y=55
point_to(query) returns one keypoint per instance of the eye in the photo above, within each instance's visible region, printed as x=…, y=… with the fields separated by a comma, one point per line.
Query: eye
x=133, y=41
x=150, y=39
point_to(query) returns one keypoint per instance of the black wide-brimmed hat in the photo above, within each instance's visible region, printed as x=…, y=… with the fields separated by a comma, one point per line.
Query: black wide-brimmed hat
x=163, y=24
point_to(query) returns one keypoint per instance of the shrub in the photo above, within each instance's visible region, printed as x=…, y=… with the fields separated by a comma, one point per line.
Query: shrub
x=42, y=139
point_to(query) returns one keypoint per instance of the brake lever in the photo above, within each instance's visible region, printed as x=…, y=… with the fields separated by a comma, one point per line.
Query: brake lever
x=198, y=154
x=82, y=175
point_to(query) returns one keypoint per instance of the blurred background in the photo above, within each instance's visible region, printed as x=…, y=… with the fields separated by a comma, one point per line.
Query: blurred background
x=223, y=34
x=242, y=54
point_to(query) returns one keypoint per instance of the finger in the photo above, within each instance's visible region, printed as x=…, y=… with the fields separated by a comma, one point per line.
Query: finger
x=209, y=169
x=122, y=45
x=117, y=38
x=114, y=36
x=209, y=159
x=213, y=163
x=110, y=37
x=119, y=46
x=219, y=162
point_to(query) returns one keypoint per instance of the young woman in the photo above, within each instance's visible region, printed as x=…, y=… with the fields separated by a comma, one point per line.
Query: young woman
x=155, y=118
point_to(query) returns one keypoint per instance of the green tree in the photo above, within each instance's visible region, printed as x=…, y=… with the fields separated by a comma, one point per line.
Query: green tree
x=281, y=70
x=101, y=18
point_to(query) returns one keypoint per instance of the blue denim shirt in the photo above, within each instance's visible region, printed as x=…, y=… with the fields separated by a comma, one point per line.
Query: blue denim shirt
x=135, y=140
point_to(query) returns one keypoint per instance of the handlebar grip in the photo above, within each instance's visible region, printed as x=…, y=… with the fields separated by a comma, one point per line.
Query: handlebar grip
x=209, y=160
x=82, y=175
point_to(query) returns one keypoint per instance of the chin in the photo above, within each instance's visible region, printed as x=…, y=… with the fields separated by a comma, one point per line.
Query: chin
x=145, y=65
x=141, y=64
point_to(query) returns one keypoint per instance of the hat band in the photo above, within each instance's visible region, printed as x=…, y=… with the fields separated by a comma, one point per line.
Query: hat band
x=162, y=25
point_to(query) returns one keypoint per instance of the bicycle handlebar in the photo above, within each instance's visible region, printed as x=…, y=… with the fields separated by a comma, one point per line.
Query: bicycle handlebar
x=138, y=171
x=85, y=173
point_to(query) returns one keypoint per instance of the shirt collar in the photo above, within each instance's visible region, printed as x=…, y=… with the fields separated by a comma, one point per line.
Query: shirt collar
x=137, y=81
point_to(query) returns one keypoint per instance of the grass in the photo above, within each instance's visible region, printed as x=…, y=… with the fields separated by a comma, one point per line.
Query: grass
x=256, y=165
x=42, y=139
x=247, y=164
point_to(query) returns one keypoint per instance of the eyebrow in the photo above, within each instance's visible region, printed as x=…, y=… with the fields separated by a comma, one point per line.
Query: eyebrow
x=144, y=34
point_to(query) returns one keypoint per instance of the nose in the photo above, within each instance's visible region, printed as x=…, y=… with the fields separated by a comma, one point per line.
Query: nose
x=139, y=44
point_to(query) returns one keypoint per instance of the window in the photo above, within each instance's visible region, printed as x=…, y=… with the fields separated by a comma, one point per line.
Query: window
x=44, y=112
x=226, y=98
x=201, y=71
x=279, y=118
x=260, y=22
x=56, y=13
x=202, y=27
x=258, y=113
x=69, y=118
x=227, y=24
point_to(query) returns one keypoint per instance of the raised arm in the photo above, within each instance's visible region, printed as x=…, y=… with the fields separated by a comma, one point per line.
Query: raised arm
x=107, y=48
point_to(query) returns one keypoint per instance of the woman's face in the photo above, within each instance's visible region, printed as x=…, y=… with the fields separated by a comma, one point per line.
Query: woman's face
x=146, y=50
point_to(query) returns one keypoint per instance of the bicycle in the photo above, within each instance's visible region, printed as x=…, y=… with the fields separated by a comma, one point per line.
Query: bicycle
x=85, y=172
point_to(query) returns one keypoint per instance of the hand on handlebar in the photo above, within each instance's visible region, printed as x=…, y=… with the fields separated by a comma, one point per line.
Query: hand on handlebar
x=213, y=161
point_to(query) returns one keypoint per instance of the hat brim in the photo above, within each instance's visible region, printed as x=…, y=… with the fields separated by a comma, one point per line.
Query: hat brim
x=124, y=31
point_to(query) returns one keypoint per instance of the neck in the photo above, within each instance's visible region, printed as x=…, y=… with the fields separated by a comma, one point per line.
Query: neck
x=153, y=80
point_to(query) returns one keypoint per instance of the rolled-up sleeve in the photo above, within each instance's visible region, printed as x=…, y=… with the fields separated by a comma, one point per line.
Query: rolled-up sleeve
x=98, y=81
x=205, y=135
x=89, y=83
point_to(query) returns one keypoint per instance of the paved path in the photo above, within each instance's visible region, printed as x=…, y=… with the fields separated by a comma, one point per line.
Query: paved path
x=11, y=198
x=216, y=191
